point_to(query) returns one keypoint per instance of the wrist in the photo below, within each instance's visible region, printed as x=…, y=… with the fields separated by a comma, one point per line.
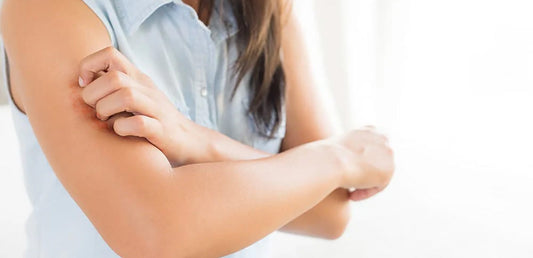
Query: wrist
x=188, y=143
x=338, y=158
x=204, y=145
x=213, y=144
x=220, y=147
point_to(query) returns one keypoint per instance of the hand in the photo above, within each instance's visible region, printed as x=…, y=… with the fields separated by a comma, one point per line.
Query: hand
x=370, y=162
x=116, y=89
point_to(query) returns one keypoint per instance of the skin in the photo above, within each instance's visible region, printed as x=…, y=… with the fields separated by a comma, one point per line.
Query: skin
x=131, y=188
x=159, y=122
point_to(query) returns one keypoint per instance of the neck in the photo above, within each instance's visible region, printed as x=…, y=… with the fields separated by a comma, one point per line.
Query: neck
x=193, y=3
x=202, y=8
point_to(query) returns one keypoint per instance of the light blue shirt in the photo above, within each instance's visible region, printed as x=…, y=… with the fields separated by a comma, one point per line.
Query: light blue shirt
x=192, y=64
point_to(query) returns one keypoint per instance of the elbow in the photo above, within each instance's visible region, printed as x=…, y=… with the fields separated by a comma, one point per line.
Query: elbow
x=180, y=249
x=174, y=240
x=338, y=224
x=141, y=246
x=161, y=251
x=336, y=231
x=156, y=231
x=149, y=240
x=158, y=247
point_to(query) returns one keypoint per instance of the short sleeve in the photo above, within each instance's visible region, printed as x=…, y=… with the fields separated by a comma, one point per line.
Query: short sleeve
x=104, y=11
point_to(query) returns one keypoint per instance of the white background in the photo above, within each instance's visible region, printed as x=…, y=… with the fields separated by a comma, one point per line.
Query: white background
x=450, y=82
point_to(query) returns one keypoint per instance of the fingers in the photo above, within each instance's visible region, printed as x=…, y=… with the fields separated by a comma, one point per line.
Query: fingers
x=105, y=60
x=105, y=85
x=111, y=121
x=125, y=100
x=138, y=125
x=121, y=93
x=375, y=133
x=362, y=194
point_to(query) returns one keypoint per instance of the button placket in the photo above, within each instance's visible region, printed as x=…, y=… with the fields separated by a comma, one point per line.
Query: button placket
x=202, y=105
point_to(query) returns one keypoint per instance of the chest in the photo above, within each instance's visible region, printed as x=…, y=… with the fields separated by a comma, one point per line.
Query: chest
x=193, y=66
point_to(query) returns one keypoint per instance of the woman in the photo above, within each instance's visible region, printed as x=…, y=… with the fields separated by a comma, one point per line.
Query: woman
x=152, y=128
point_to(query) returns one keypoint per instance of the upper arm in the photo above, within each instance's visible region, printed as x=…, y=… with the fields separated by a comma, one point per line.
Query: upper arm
x=309, y=113
x=110, y=177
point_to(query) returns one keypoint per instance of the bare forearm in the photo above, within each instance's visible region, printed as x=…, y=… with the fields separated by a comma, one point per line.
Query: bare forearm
x=224, y=148
x=229, y=205
x=327, y=219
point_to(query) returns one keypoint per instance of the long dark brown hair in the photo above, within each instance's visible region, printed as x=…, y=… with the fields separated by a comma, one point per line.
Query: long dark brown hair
x=260, y=24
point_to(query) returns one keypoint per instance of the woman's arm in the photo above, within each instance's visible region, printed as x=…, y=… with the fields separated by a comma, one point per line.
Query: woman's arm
x=126, y=186
x=157, y=120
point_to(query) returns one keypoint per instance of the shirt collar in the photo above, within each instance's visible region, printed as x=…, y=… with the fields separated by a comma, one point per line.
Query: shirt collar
x=134, y=13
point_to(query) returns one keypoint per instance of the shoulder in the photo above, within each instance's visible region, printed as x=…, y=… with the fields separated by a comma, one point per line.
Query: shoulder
x=33, y=29
x=22, y=12
x=31, y=8
x=52, y=21
x=46, y=40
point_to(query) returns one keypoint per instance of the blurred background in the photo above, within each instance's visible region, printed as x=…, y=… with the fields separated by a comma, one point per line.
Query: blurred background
x=451, y=83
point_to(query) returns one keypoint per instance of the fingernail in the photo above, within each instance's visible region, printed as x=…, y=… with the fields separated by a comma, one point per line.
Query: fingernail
x=81, y=82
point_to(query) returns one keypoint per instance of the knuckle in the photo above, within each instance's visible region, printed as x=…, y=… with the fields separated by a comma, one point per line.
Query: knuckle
x=144, y=79
x=128, y=97
x=111, y=52
x=139, y=122
x=142, y=124
x=84, y=64
x=115, y=78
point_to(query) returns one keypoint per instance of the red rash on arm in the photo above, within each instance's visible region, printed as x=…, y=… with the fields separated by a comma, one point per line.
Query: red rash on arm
x=85, y=111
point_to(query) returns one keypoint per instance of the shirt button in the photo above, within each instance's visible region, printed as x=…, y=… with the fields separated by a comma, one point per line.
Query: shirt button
x=203, y=92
